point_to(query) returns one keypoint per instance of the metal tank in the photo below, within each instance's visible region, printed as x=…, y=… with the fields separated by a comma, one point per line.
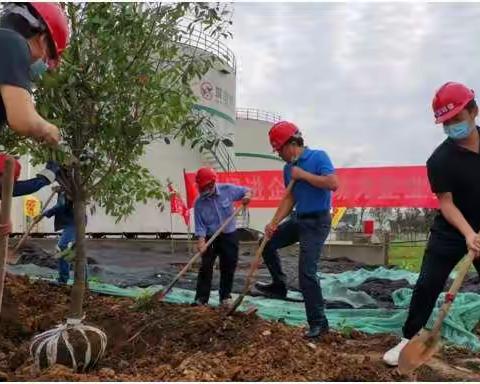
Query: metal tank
x=253, y=152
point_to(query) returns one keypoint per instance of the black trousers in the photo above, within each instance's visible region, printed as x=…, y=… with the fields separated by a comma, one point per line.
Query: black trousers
x=442, y=254
x=226, y=247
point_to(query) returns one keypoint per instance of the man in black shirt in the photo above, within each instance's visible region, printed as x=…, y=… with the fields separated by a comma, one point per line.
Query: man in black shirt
x=32, y=39
x=454, y=175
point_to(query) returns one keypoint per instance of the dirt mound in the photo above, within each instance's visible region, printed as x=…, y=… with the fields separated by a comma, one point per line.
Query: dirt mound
x=168, y=342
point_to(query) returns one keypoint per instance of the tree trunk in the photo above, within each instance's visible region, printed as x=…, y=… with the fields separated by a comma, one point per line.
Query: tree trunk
x=78, y=289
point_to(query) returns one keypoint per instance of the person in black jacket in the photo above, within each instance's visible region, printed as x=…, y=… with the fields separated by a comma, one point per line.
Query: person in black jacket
x=64, y=221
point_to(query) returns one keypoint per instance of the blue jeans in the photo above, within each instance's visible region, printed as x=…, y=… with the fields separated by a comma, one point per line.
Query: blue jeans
x=311, y=233
x=67, y=236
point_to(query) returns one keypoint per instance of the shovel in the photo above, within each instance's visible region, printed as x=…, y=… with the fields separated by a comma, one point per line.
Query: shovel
x=423, y=346
x=12, y=254
x=256, y=261
x=7, y=189
x=161, y=295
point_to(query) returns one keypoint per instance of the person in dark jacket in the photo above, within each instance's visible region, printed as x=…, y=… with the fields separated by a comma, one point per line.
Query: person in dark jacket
x=64, y=221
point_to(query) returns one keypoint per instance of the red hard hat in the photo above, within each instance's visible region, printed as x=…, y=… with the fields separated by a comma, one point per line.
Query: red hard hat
x=56, y=21
x=17, y=169
x=205, y=176
x=281, y=132
x=450, y=100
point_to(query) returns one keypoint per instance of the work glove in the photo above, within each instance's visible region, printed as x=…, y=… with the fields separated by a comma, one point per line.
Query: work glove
x=68, y=254
x=51, y=171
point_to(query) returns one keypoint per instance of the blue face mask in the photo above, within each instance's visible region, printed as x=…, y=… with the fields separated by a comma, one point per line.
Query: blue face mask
x=208, y=192
x=458, y=131
x=38, y=69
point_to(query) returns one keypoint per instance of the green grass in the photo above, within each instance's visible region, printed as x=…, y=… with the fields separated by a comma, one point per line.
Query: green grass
x=407, y=255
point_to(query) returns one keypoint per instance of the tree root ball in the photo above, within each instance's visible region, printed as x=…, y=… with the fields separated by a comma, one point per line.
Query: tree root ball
x=74, y=345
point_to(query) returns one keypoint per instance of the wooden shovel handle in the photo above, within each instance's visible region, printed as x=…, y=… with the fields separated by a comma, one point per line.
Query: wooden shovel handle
x=6, y=206
x=34, y=222
x=463, y=268
x=256, y=260
x=168, y=288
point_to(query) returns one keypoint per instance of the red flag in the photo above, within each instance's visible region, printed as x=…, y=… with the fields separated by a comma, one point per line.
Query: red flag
x=177, y=205
x=190, y=188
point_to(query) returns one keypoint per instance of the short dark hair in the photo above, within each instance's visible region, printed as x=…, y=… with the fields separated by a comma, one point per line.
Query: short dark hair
x=19, y=24
x=471, y=105
x=296, y=140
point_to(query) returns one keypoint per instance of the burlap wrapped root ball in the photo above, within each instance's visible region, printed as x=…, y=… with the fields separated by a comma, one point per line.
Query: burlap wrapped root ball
x=73, y=344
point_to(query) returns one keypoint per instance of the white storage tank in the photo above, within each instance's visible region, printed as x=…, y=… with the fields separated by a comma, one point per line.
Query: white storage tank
x=253, y=152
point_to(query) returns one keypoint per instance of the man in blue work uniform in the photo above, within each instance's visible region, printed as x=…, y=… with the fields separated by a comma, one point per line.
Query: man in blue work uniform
x=27, y=187
x=315, y=178
x=212, y=208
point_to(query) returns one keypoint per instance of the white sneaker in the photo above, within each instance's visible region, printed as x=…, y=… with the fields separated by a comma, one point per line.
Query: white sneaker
x=391, y=356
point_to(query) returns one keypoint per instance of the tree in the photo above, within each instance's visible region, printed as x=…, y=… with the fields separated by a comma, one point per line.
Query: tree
x=382, y=216
x=124, y=81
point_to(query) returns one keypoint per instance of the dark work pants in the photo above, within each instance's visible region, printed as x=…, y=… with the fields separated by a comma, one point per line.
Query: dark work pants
x=226, y=247
x=441, y=256
x=311, y=233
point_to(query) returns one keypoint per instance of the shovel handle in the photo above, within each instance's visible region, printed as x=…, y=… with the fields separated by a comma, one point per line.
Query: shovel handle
x=34, y=222
x=463, y=268
x=256, y=260
x=168, y=288
x=6, y=206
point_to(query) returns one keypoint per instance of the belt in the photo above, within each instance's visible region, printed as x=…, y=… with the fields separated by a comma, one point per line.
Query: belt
x=312, y=215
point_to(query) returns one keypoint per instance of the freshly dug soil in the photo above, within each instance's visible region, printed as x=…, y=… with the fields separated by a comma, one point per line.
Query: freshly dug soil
x=171, y=342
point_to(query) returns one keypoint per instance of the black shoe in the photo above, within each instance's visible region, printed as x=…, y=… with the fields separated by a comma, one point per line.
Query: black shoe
x=316, y=331
x=272, y=290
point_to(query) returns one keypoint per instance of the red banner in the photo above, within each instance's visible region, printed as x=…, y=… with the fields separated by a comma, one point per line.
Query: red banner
x=359, y=187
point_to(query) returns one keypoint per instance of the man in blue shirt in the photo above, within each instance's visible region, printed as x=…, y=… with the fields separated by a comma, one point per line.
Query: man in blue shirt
x=315, y=178
x=212, y=208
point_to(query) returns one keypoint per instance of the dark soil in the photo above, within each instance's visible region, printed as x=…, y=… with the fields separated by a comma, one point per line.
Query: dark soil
x=184, y=343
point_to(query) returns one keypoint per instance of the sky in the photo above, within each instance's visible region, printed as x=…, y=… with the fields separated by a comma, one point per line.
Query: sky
x=357, y=78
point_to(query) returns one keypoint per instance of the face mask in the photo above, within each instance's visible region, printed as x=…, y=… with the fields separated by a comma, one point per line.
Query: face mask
x=458, y=131
x=38, y=69
x=208, y=192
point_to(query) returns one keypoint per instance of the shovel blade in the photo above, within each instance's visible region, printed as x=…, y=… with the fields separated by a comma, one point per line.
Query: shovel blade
x=418, y=351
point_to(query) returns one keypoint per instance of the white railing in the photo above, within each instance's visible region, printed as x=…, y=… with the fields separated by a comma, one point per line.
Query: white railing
x=200, y=40
x=257, y=114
